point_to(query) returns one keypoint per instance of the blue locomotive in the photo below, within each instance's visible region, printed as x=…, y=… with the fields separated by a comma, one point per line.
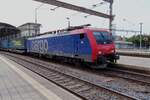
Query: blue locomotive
x=90, y=45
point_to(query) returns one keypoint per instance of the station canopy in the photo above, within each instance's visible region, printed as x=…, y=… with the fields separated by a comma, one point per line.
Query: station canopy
x=7, y=29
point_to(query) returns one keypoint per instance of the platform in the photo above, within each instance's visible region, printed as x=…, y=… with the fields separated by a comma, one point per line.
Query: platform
x=134, y=51
x=18, y=83
x=139, y=62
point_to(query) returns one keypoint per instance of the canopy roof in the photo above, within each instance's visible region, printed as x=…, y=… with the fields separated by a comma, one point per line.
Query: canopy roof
x=7, y=29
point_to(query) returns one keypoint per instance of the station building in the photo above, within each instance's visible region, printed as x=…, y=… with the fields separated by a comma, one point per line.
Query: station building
x=29, y=29
x=8, y=31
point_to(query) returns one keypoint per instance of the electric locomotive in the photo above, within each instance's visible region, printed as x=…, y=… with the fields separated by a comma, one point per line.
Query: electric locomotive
x=92, y=46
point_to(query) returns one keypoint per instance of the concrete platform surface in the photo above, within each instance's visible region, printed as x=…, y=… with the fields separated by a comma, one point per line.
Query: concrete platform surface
x=19, y=83
x=140, y=63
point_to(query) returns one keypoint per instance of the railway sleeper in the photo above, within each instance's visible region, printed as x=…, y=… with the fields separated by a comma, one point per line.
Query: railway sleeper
x=64, y=81
x=90, y=94
x=70, y=83
x=78, y=87
x=82, y=89
x=59, y=79
x=74, y=86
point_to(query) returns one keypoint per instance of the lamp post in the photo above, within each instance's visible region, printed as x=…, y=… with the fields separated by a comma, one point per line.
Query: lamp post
x=36, y=17
x=68, y=21
x=141, y=29
x=110, y=13
x=36, y=11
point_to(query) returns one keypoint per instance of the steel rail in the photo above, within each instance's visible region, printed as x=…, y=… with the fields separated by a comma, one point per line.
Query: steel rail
x=129, y=75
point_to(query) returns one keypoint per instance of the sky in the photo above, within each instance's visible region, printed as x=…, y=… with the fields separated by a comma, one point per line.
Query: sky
x=128, y=14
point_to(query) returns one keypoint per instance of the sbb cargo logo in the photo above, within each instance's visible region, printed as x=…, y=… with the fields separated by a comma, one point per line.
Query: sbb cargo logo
x=39, y=46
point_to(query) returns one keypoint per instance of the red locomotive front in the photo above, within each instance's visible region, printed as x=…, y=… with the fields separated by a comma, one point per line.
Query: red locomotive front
x=103, y=47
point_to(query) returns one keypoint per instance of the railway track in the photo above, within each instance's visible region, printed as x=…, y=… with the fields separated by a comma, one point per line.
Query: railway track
x=86, y=90
x=129, y=75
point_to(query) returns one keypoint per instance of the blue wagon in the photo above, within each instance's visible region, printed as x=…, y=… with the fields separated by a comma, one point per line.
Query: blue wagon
x=18, y=44
x=4, y=44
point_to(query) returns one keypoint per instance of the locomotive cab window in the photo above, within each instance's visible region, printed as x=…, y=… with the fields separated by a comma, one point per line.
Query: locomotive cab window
x=81, y=36
x=103, y=37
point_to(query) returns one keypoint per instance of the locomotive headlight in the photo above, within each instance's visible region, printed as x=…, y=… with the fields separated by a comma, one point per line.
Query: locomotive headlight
x=99, y=52
x=112, y=51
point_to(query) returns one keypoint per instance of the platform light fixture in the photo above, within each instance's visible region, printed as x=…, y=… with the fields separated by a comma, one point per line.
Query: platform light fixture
x=93, y=6
x=53, y=9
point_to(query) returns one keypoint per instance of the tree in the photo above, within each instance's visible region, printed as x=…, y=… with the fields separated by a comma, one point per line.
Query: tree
x=136, y=40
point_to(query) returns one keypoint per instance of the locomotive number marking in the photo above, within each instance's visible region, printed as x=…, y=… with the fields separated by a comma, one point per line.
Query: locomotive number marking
x=40, y=46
